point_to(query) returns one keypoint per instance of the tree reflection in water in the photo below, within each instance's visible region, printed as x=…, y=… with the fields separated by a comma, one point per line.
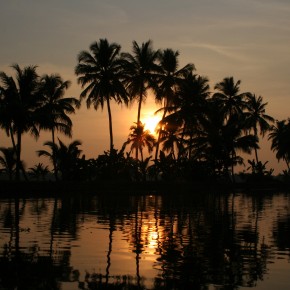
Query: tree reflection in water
x=207, y=241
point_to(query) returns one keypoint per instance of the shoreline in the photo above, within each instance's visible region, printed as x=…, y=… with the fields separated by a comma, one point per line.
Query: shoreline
x=64, y=188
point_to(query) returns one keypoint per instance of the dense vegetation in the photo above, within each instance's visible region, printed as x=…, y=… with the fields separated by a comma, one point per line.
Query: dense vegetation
x=201, y=134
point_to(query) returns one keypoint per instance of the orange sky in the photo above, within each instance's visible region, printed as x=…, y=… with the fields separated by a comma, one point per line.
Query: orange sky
x=249, y=40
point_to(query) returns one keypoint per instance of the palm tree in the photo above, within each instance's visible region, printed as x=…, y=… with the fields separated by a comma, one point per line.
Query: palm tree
x=189, y=106
x=229, y=96
x=21, y=102
x=231, y=102
x=140, y=138
x=140, y=72
x=100, y=72
x=8, y=161
x=256, y=117
x=66, y=157
x=280, y=137
x=192, y=106
x=53, y=114
x=169, y=80
x=170, y=140
x=170, y=129
x=219, y=139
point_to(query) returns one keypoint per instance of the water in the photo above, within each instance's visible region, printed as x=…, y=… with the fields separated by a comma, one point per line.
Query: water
x=198, y=241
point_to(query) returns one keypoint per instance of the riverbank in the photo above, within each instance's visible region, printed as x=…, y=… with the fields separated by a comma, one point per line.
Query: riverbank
x=49, y=188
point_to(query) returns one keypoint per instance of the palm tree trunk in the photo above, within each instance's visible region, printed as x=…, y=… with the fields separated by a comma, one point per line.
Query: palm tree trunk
x=141, y=151
x=19, y=165
x=18, y=156
x=138, y=117
x=159, y=135
x=110, y=126
x=181, y=147
x=139, y=108
x=256, y=150
x=256, y=154
x=12, y=139
x=53, y=156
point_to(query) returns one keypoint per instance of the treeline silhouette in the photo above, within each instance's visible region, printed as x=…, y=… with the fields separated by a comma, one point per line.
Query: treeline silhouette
x=200, y=136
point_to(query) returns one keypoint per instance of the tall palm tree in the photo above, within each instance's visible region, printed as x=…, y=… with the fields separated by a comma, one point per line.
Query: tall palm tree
x=256, y=117
x=140, y=72
x=231, y=101
x=99, y=71
x=21, y=102
x=140, y=138
x=192, y=106
x=280, y=137
x=189, y=106
x=169, y=80
x=55, y=108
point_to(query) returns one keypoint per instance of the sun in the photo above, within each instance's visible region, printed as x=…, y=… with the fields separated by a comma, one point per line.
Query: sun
x=150, y=122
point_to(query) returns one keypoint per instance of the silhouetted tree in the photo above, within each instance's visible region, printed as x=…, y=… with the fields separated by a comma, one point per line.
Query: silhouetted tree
x=169, y=80
x=228, y=96
x=140, y=73
x=280, y=138
x=256, y=117
x=53, y=114
x=100, y=72
x=140, y=138
x=21, y=102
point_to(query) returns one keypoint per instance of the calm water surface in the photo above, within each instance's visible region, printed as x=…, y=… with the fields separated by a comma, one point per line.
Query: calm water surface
x=204, y=241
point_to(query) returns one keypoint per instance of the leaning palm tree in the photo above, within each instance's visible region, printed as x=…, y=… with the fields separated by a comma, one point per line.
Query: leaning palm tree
x=140, y=72
x=140, y=138
x=21, y=102
x=280, y=137
x=169, y=80
x=256, y=117
x=55, y=108
x=100, y=72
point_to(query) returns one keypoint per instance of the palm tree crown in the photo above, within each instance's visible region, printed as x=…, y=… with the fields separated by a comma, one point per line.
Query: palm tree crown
x=55, y=108
x=140, y=69
x=229, y=96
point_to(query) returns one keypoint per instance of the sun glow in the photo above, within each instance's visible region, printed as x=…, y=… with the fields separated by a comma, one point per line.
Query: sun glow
x=151, y=121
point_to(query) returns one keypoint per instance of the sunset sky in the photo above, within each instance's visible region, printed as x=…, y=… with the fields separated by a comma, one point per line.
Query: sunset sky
x=246, y=39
